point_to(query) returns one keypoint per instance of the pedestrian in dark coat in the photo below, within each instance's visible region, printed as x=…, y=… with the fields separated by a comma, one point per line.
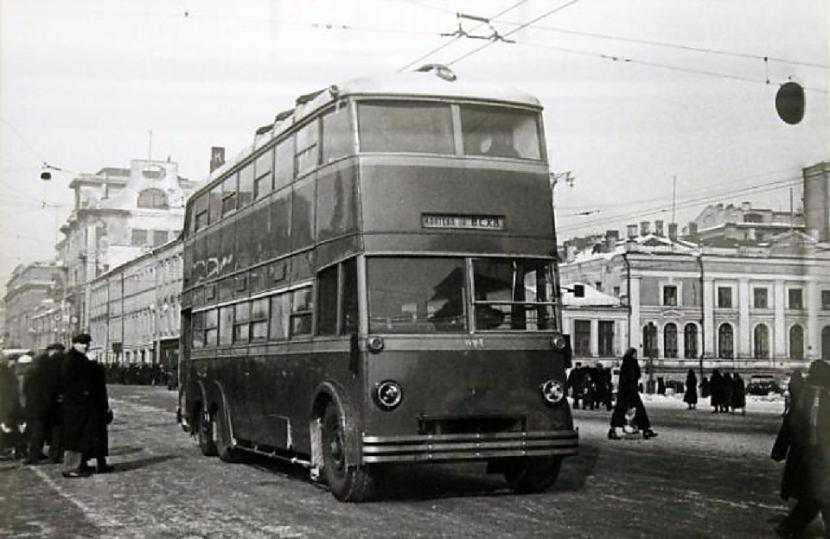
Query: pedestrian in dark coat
x=79, y=406
x=41, y=389
x=738, y=393
x=726, y=393
x=716, y=391
x=102, y=417
x=690, y=396
x=705, y=388
x=10, y=410
x=628, y=398
x=805, y=440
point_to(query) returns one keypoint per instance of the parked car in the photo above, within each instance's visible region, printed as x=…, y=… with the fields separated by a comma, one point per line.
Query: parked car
x=763, y=385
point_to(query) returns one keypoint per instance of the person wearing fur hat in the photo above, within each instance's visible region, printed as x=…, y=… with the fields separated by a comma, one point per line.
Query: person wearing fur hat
x=83, y=410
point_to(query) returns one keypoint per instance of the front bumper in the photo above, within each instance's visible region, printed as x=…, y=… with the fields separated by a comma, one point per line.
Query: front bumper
x=465, y=447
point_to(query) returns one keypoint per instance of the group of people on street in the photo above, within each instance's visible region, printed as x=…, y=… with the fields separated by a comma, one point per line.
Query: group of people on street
x=59, y=401
x=590, y=385
x=726, y=392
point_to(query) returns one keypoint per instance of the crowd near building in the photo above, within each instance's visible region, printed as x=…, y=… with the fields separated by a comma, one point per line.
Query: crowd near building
x=742, y=288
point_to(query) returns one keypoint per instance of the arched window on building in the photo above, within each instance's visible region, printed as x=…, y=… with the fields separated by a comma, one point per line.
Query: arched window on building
x=726, y=348
x=153, y=198
x=670, y=340
x=690, y=341
x=760, y=341
x=650, y=340
x=796, y=342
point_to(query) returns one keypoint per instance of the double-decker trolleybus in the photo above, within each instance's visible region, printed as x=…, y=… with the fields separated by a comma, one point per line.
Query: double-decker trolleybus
x=374, y=281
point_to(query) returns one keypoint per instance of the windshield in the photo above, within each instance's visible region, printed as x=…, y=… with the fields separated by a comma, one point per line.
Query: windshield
x=427, y=127
x=429, y=295
x=500, y=132
x=405, y=126
x=512, y=294
x=416, y=295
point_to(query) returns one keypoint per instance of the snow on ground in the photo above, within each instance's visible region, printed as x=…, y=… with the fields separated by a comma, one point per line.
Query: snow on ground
x=772, y=404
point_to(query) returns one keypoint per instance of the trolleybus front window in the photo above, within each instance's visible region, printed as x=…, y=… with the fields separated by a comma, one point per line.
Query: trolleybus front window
x=512, y=294
x=416, y=295
x=500, y=132
x=401, y=126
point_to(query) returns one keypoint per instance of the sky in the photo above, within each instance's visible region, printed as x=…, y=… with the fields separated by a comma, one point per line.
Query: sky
x=650, y=105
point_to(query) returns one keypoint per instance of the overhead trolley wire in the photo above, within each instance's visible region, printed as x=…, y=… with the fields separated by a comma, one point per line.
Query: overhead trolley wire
x=627, y=60
x=691, y=202
x=705, y=50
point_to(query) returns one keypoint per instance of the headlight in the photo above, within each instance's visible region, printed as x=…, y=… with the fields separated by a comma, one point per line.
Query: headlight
x=388, y=394
x=552, y=391
x=375, y=344
x=559, y=342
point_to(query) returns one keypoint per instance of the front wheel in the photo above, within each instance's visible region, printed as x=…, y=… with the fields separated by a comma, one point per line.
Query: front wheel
x=347, y=483
x=532, y=474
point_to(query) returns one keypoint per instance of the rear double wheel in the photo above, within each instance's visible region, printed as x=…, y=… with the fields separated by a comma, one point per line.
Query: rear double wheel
x=347, y=483
x=532, y=474
x=222, y=436
x=204, y=427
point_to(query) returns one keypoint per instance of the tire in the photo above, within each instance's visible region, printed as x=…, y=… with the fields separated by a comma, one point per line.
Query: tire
x=204, y=431
x=532, y=474
x=347, y=483
x=224, y=447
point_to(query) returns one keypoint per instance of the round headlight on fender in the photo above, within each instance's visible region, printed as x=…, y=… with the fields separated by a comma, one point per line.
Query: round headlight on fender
x=553, y=391
x=559, y=342
x=388, y=394
x=375, y=344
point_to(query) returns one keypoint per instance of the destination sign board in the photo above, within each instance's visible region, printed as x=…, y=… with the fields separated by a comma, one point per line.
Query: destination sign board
x=466, y=222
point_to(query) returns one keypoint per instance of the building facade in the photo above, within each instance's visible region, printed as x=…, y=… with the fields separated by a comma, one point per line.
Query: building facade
x=30, y=289
x=597, y=324
x=763, y=308
x=119, y=215
x=134, y=308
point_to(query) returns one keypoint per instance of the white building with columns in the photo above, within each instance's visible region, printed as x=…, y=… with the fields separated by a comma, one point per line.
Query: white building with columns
x=762, y=307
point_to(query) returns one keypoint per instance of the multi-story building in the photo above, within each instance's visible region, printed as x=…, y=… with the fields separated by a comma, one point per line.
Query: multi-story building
x=732, y=225
x=119, y=214
x=745, y=289
x=764, y=307
x=30, y=288
x=134, y=308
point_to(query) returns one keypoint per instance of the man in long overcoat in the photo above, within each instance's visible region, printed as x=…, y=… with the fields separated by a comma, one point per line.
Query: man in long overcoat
x=42, y=404
x=82, y=410
x=805, y=441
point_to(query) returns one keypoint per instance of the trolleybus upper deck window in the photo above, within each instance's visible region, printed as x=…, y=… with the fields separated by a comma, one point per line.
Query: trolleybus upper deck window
x=405, y=126
x=416, y=295
x=500, y=132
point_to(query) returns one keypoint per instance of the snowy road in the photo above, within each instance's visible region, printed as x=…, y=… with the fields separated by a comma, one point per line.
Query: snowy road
x=706, y=475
